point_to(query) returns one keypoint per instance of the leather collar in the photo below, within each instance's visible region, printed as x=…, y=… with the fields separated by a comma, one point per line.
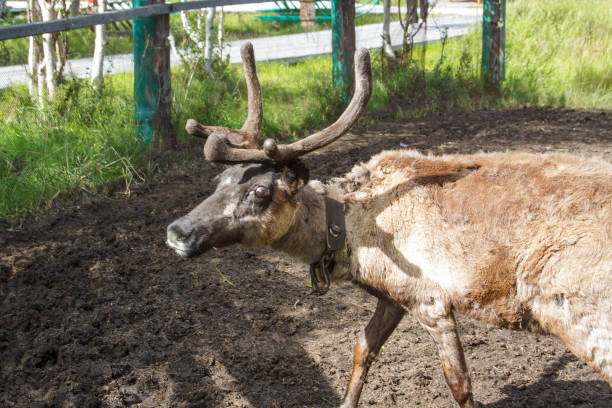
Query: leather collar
x=320, y=271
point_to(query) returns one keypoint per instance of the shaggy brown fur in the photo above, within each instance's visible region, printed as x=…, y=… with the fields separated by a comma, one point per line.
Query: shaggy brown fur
x=516, y=240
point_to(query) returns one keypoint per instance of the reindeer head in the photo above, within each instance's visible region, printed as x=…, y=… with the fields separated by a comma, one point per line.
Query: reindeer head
x=255, y=202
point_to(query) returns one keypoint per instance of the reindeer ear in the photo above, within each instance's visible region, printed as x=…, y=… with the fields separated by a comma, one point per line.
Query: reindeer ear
x=295, y=174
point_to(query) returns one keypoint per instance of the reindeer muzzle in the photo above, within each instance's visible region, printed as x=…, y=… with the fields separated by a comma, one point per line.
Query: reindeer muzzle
x=187, y=240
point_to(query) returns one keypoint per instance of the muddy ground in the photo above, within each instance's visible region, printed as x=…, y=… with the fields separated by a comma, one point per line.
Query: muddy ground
x=97, y=312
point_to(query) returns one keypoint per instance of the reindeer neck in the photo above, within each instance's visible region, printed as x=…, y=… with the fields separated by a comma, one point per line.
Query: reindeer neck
x=305, y=239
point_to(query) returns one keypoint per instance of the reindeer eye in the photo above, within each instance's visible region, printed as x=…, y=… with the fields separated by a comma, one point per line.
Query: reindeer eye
x=261, y=192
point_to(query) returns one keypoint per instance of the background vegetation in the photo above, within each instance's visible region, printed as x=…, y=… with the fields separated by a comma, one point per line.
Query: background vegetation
x=236, y=26
x=558, y=53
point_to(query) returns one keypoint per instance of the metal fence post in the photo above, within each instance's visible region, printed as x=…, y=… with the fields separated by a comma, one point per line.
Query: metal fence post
x=494, y=39
x=152, y=93
x=343, y=47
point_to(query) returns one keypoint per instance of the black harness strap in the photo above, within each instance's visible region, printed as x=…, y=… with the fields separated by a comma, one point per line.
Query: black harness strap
x=320, y=271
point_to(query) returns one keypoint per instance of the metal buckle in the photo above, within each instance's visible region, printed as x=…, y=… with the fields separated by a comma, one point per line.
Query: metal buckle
x=320, y=276
x=335, y=230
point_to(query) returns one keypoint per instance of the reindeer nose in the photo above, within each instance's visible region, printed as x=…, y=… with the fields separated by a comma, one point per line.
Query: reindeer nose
x=188, y=239
x=179, y=232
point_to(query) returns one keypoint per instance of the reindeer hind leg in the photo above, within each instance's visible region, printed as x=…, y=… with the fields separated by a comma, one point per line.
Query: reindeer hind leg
x=439, y=321
x=583, y=325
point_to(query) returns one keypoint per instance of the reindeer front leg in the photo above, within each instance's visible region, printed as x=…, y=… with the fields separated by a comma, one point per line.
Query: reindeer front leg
x=443, y=330
x=381, y=325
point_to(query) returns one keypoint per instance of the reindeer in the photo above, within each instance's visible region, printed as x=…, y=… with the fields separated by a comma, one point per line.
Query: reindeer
x=517, y=240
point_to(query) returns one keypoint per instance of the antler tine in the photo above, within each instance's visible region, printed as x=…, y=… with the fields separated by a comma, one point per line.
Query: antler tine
x=252, y=125
x=219, y=150
x=247, y=136
x=361, y=97
x=194, y=128
x=236, y=138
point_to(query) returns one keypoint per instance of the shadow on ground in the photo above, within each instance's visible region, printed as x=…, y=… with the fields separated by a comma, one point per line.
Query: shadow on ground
x=549, y=391
x=97, y=312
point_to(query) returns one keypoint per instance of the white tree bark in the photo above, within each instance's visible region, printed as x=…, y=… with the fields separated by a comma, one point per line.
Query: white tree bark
x=173, y=48
x=220, y=33
x=33, y=52
x=386, y=37
x=202, y=43
x=61, y=47
x=208, y=45
x=40, y=75
x=33, y=55
x=199, y=15
x=47, y=10
x=191, y=33
x=97, y=65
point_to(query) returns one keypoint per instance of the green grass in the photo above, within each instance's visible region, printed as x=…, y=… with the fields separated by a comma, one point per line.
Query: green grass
x=296, y=97
x=557, y=54
x=84, y=139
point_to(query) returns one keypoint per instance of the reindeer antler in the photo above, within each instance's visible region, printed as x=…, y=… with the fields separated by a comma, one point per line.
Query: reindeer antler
x=361, y=97
x=247, y=136
x=252, y=125
x=221, y=146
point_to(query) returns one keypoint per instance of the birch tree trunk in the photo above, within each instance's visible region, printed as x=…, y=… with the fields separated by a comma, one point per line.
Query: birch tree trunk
x=61, y=51
x=47, y=10
x=33, y=57
x=40, y=75
x=220, y=34
x=386, y=36
x=173, y=48
x=208, y=46
x=199, y=15
x=201, y=43
x=97, y=65
x=33, y=14
x=191, y=33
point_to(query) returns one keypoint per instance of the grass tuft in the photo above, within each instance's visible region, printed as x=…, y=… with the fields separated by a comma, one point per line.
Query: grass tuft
x=82, y=140
x=559, y=53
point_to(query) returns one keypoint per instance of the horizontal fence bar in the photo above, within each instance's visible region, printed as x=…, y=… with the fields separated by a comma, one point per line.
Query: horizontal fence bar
x=65, y=24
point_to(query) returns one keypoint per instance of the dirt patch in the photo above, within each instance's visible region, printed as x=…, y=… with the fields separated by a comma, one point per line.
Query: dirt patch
x=97, y=312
